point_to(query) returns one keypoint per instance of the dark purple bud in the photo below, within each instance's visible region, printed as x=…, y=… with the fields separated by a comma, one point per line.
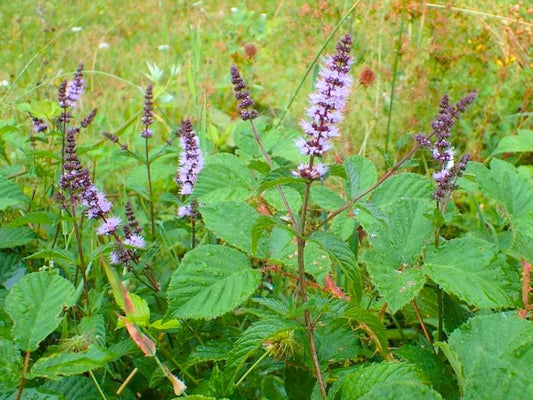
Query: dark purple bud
x=246, y=103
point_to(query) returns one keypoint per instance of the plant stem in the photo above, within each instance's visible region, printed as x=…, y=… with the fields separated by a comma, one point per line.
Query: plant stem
x=151, y=198
x=422, y=324
x=98, y=388
x=265, y=355
x=128, y=379
x=23, y=374
x=302, y=287
x=80, y=253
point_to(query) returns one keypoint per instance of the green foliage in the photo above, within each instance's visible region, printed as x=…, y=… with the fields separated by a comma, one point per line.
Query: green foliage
x=211, y=281
x=35, y=304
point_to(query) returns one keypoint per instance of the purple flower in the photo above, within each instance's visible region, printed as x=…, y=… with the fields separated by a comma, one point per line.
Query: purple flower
x=109, y=226
x=96, y=203
x=191, y=158
x=246, y=103
x=136, y=241
x=74, y=88
x=327, y=105
x=89, y=118
x=39, y=126
x=147, y=118
x=314, y=173
x=185, y=211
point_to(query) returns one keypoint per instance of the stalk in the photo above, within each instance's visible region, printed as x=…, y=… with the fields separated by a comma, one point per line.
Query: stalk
x=150, y=193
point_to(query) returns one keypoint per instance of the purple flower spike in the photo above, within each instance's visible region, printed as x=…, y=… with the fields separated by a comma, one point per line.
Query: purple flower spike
x=147, y=118
x=75, y=178
x=191, y=158
x=136, y=241
x=442, y=150
x=246, y=103
x=185, y=211
x=39, y=126
x=327, y=105
x=75, y=87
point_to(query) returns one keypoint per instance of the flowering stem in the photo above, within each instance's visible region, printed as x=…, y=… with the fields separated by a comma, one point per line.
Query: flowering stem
x=80, y=253
x=151, y=198
x=302, y=286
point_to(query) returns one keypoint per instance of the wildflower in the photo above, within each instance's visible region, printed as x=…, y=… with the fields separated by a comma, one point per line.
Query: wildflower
x=103, y=45
x=77, y=29
x=4, y=83
x=185, y=211
x=39, y=126
x=147, y=118
x=246, y=103
x=163, y=47
x=109, y=226
x=136, y=241
x=96, y=203
x=442, y=150
x=191, y=158
x=89, y=118
x=75, y=87
x=325, y=112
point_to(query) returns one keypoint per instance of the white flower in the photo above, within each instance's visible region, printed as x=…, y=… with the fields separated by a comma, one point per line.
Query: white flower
x=77, y=29
x=103, y=45
x=164, y=47
x=109, y=226
x=234, y=9
x=4, y=83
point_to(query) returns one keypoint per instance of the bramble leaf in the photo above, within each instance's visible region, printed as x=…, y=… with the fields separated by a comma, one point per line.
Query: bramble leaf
x=35, y=303
x=211, y=281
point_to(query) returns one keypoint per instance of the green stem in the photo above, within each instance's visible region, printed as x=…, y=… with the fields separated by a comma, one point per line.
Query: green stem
x=23, y=374
x=98, y=388
x=82, y=267
x=265, y=355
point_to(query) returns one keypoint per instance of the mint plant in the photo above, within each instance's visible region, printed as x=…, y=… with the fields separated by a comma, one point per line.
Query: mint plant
x=275, y=270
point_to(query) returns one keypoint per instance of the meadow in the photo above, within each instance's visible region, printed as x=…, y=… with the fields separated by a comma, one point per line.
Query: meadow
x=266, y=200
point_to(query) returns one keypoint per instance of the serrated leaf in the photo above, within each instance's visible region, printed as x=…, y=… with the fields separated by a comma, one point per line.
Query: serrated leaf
x=31, y=394
x=398, y=243
x=467, y=267
x=93, y=326
x=495, y=353
x=344, y=256
x=361, y=174
x=273, y=197
x=505, y=185
x=35, y=304
x=67, y=364
x=406, y=185
x=223, y=178
x=344, y=225
x=59, y=255
x=373, y=378
x=213, y=350
x=10, y=365
x=74, y=387
x=402, y=391
x=263, y=224
x=523, y=142
x=280, y=176
x=325, y=198
x=165, y=325
x=44, y=109
x=10, y=194
x=12, y=237
x=232, y=221
x=211, y=281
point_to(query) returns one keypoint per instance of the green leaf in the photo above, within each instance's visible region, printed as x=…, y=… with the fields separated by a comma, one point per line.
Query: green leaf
x=43, y=109
x=10, y=194
x=12, y=237
x=437, y=372
x=503, y=184
x=402, y=391
x=344, y=257
x=398, y=243
x=74, y=387
x=344, y=225
x=273, y=197
x=263, y=224
x=375, y=380
x=231, y=221
x=223, y=178
x=31, y=394
x=211, y=281
x=523, y=142
x=35, y=303
x=361, y=174
x=495, y=353
x=36, y=217
x=280, y=176
x=406, y=185
x=10, y=365
x=66, y=364
x=467, y=267
x=325, y=198
x=93, y=327
x=58, y=255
